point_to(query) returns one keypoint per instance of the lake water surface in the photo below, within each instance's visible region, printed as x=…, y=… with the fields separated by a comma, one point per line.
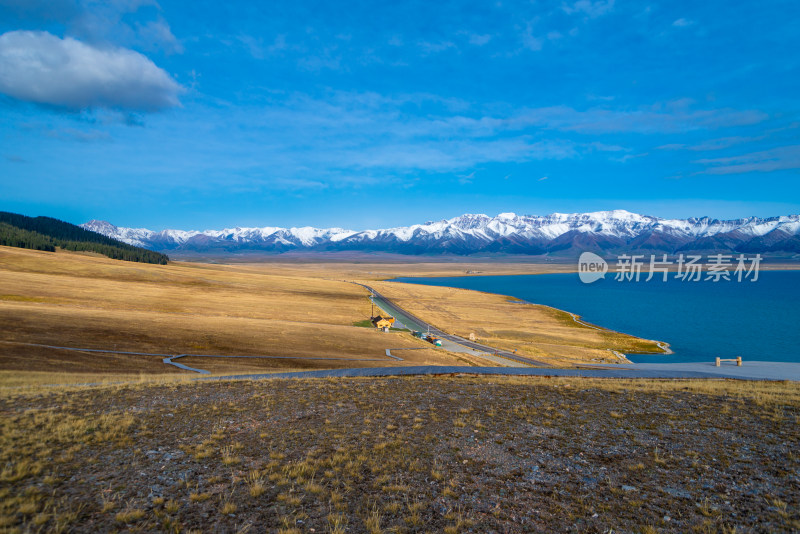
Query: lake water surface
x=700, y=320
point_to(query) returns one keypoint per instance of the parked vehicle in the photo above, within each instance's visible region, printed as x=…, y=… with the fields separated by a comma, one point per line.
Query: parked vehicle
x=427, y=337
x=433, y=340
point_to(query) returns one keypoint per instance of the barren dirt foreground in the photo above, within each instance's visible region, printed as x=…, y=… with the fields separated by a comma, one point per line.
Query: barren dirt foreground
x=403, y=455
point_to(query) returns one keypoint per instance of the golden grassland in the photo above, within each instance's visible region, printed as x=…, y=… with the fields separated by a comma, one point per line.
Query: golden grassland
x=20, y=381
x=291, y=311
x=75, y=300
x=437, y=454
x=367, y=270
x=504, y=322
x=296, y=311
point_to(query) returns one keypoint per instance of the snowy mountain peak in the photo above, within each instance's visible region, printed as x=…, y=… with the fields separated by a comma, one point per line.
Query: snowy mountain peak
x=101, y=227
x=557, y=233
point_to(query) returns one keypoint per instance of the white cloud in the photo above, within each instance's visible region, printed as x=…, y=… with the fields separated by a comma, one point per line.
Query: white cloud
x=369, y=135
x=628, y=157
x=453, y=155
x=466, y=179
x=478, y=39
x=258, y=50
x=156, y=34
x=683, y=23
x=656, y=119
x=775, y=159
x=589, y=8
x=713, y=144
x=74, y=134
x=45, y=69
x=672, y=118
x=530, y=41
x=429, y=47
x=95, y=21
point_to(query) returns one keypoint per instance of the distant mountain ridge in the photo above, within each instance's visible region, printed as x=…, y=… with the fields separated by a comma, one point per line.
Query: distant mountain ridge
x=557, y=234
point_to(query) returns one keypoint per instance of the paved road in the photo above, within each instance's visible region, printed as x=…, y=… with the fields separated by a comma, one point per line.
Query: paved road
x=168, y=358
x=750, y=371
x=415, y=323
x=169, y=361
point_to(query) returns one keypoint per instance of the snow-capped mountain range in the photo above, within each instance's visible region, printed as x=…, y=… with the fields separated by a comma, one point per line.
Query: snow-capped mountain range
x=556, y=234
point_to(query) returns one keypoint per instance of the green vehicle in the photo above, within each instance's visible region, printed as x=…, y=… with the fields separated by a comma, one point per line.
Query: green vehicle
x=433, y=340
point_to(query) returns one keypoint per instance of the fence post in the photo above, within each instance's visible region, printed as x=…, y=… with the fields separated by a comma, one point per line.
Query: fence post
x=739, y=361
x=718, y=363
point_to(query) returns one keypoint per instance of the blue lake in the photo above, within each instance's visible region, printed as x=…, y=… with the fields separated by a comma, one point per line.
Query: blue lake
x=700, y=320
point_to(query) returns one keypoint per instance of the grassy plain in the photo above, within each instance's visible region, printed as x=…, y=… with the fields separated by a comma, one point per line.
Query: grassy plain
x=297, y=313
x=74, y=300
x=403, y=455
x=373, y=270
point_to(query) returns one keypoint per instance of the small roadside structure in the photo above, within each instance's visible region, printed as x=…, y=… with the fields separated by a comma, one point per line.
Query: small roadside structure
x=383, y=323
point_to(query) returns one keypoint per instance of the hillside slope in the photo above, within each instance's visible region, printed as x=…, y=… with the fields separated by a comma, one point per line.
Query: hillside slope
x=46, y=233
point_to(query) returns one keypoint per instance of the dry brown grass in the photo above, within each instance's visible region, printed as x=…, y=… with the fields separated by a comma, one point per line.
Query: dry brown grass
x=383, y=455
x=297, y=313
x=369, y=268
x=500, y=321
x=400, y=267
x=42, y=380
x=84, y=301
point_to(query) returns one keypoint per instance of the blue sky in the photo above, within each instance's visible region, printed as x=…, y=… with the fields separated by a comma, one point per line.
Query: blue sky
x=360, y=114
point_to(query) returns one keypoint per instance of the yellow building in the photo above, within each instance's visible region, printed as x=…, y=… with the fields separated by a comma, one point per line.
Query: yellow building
x=384, y=323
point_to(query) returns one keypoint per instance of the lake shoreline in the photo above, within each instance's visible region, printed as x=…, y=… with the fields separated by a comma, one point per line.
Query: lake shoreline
x=579, y=320
x=702, y=320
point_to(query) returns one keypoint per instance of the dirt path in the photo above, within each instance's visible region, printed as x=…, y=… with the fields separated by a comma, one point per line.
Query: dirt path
x=169, y=358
